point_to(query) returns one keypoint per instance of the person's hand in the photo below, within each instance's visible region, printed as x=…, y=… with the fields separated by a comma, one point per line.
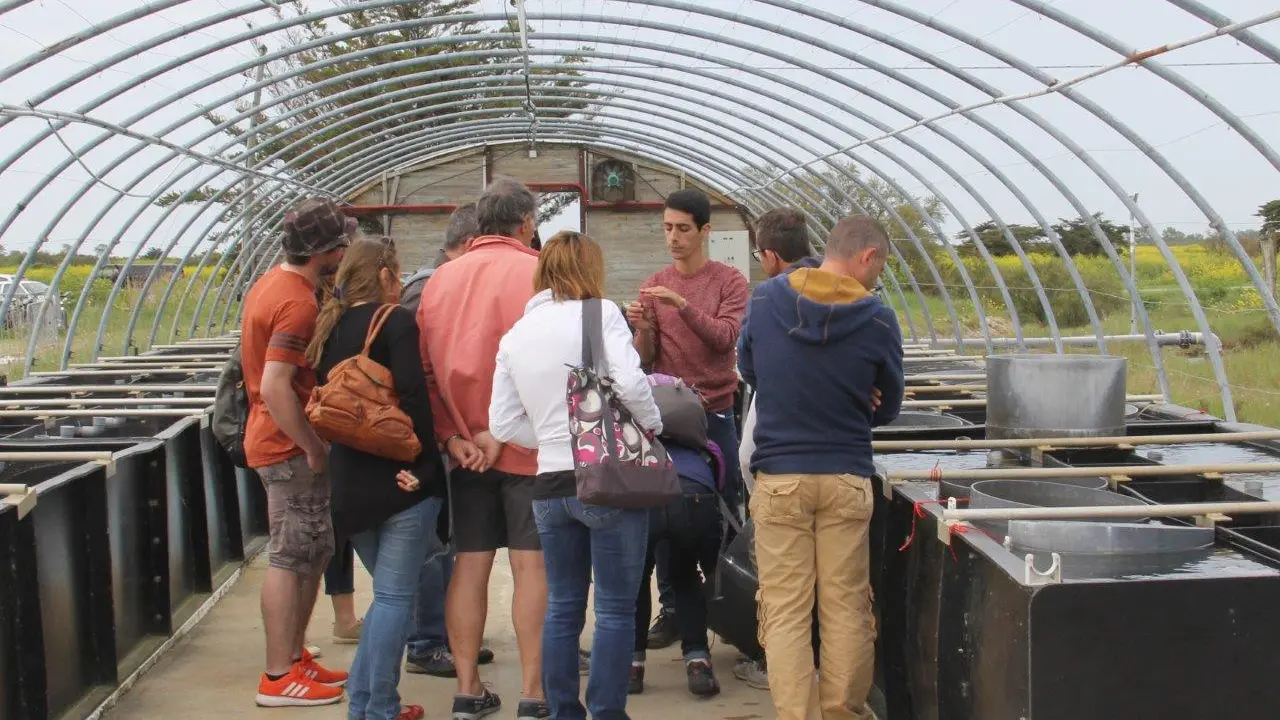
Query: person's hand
x=665, y=296
x=407, y=481
x=875, y=399
x=318, y=456
x=464, y=452
x=489, y=448
x=638, y=316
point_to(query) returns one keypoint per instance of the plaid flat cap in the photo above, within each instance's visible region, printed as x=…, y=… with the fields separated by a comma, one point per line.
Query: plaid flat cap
x=316, y=226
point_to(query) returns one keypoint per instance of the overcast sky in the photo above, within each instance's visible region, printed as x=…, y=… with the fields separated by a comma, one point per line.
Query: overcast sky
x=1232, y=176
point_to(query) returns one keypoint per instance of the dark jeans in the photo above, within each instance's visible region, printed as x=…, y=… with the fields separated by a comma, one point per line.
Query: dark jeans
x=722, y=429
x=691, y=528
x=340, y=576
x=581, y=544
x=428, y=619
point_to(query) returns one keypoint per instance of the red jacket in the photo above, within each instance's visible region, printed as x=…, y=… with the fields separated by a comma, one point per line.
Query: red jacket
x=466, y=308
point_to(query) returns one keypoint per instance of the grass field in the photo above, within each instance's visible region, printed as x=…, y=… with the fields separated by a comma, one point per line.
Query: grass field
x=1233, y=309
x=50, y=345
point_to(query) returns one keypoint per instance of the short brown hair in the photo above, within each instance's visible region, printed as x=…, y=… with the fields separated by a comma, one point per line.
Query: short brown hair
x=571, y=266
x=783, y=231
x=854, y=234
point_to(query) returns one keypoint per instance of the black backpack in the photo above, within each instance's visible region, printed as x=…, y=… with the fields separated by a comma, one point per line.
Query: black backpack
x=412, y=292
x=231, y=409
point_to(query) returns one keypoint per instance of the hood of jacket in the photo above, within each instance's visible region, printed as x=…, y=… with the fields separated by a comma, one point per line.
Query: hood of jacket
x=816, y=306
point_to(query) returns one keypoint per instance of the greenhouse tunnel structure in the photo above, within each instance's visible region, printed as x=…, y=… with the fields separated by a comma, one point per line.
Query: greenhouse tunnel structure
x=1022, y=155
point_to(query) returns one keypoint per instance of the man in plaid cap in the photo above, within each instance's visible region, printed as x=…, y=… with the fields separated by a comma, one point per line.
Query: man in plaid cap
x=278, y=321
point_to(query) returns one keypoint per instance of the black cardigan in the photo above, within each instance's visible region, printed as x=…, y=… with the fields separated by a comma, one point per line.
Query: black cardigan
x=365, y=493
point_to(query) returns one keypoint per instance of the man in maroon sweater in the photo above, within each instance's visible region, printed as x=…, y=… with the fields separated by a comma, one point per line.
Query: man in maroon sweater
x=687, y=322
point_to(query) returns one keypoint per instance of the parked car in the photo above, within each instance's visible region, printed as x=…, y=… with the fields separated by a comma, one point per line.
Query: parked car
x=26, y=301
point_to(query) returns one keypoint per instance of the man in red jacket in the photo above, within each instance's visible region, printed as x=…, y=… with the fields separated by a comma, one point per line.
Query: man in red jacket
x=468, y=306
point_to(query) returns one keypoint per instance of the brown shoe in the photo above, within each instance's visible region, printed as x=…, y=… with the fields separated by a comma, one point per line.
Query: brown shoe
x=349, y=635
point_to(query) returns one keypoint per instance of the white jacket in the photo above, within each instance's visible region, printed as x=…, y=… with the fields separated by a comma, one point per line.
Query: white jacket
x=528, y=406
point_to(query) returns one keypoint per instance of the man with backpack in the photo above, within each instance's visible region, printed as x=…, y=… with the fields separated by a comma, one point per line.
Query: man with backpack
x=462, y=228
x=279, y=443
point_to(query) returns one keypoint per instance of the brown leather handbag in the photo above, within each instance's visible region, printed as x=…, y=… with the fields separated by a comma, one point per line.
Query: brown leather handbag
x=359, y=407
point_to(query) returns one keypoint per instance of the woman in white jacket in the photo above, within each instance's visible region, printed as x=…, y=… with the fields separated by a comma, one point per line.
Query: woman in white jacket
x=580, y=542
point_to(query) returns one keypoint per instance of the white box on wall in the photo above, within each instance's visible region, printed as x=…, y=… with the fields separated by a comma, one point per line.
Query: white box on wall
x=731, y=247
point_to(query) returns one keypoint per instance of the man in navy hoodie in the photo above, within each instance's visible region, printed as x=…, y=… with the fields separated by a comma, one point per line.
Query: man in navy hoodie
x=816, y=345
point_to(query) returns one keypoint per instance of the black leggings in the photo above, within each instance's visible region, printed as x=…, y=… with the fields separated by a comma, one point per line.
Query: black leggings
x=692, y=529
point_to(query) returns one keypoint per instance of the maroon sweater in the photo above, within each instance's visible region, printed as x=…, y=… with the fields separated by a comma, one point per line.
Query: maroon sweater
x=697, y=344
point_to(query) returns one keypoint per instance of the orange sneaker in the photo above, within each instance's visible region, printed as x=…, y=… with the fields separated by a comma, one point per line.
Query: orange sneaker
x=312, y=670
x=296, y=690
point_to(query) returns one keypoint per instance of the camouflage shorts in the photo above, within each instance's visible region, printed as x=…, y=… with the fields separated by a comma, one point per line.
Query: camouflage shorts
x=301, y=525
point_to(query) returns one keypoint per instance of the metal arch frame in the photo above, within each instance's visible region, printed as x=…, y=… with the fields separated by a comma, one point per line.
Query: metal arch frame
x=1151, y=232
x=394, y=149
x=961, y=264
x=437, y=21
x=609, y=93
x=1030, y=270
x=397, y=144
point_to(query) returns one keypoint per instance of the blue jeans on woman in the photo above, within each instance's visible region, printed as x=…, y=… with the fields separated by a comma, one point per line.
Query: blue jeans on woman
x=582, y=543
x=393, y=553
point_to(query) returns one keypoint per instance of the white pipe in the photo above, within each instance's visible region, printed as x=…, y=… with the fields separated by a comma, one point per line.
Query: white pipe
x=71, y=402
x=104, y=412
x=160, y=358
x=1030, y=473
x=1065, y=442
x=1162, y=339
x=981, y=402
x=130, y=372
x=1111, y=511
x=145, y=365
x=53, y=456
x=122, y=388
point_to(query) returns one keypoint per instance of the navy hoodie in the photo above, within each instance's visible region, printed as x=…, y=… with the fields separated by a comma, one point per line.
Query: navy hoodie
x=813, y=345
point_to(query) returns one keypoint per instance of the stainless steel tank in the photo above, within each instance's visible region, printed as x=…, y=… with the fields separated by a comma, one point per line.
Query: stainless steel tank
x=1055, y=396
x=1032, y=493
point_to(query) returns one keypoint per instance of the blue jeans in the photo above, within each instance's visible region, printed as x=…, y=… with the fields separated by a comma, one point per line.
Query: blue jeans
x=393, y=554
x=581, y=542
x=429, y=632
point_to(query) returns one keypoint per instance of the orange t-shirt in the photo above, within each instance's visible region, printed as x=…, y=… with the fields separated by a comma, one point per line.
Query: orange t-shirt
x=278, y=322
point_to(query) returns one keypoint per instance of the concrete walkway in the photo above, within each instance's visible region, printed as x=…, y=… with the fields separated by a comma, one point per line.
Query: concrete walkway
x=213, y=672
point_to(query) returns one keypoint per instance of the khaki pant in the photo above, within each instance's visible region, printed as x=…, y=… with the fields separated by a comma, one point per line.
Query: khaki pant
x=811, y=536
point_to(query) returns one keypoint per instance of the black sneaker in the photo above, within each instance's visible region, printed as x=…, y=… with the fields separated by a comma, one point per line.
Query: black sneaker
x=635, y=684
x=470, y=707
x=702, y=681
x=485, y=657
x=532, y=710
x=664, y=631
x=438, y=662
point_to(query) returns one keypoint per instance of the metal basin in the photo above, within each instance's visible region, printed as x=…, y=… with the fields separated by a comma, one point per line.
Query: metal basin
x=959, y=488
x=1055, y=396
x=1032, y=493
x=918, y=419
x=1106, y=538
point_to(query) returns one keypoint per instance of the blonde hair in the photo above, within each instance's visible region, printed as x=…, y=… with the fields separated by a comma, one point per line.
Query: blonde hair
x=571, y=266
x=357, y=281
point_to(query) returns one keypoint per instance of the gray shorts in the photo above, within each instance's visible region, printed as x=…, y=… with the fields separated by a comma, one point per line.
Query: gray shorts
x=300, y=522
x=492, y=510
